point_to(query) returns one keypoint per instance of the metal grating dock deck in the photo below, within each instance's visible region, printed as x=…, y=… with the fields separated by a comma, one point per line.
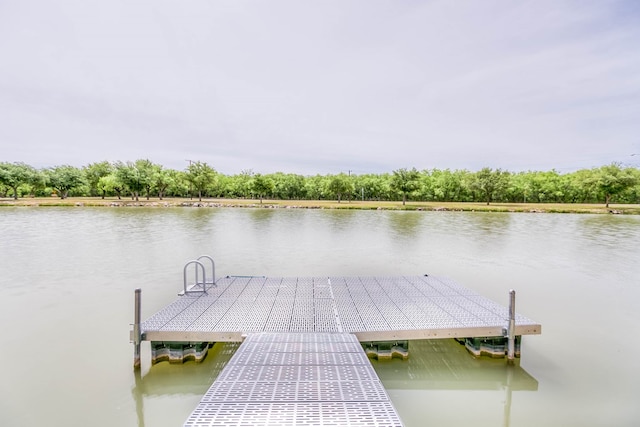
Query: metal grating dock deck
x=372, y=308
x=297, y=379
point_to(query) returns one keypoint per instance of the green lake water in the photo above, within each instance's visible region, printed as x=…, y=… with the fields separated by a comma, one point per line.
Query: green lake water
x=67, y=280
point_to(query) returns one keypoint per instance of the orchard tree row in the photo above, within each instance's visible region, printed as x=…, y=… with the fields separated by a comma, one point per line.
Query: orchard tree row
x=143, y=178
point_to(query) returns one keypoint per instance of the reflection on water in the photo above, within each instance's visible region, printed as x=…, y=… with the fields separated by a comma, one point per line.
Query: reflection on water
x=446, y=365
x=192, y=378
x=491, y=225
x=199, y=219
x=406, y=224
x=606, y=231
x=339, y=219
x=261, y=215
x=188, y=378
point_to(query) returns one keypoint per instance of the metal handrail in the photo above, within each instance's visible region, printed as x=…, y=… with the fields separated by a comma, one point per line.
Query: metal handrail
x=213, y=268
x=197, y=283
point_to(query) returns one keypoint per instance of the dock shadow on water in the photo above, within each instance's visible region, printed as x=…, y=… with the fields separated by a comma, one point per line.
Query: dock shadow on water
x=444, y=365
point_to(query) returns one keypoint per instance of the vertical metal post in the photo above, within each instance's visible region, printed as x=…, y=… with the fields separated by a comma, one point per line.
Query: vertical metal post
x=136, y=330
x=511, y=334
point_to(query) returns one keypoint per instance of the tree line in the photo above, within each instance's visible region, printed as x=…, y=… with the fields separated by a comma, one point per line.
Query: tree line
x=143, y=178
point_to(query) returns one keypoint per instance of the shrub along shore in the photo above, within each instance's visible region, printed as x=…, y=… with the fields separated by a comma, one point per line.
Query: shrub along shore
x=113, y=202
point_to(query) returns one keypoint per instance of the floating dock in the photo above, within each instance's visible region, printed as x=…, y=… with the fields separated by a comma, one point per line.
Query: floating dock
x=302, y=360
x=371, y=308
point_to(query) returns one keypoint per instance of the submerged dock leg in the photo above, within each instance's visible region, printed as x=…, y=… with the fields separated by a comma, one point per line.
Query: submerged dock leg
x=136, y=330
x=511, y=334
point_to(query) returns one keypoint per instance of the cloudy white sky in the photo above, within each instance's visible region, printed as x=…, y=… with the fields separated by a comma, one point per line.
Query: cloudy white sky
x=321, y=86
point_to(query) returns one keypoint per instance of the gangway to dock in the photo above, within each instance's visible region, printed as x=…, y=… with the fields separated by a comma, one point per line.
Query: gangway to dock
x=297, y=379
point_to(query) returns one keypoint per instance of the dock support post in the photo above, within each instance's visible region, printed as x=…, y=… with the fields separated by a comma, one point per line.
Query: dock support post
x=511, y=334
x=136, y=330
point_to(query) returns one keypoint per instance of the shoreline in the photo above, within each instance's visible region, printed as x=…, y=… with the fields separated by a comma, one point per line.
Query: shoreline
x=324, y=204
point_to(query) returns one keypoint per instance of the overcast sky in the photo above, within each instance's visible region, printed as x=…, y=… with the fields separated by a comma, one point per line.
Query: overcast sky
x=321, y=86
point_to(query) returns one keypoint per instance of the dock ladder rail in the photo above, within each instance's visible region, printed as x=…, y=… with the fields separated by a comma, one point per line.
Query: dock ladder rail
x=198, y=286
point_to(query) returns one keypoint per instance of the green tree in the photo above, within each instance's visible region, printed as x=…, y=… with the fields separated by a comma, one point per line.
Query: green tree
x=519, y=189
x=296, y=186
x=146, y=172
x=111, y=184
x=446, y=185
x=489, y=182
x=163, y=179
x=64, y=179
x=241, y=184
x=315, y=187
x=201, y=176
x=340, y=185
x=129, y=175
x=287, y=186
x=582, y=188
x=405, y=182
x=372, y=186
x=137, y=176
x=262, y=186
x=93, y=172
x=633, y=193
x=37, y=183
x=224, y=186
x=553, y=186
x=13, y=175
x=612, y=180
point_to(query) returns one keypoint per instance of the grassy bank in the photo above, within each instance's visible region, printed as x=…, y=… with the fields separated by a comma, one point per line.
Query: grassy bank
x=327, y=204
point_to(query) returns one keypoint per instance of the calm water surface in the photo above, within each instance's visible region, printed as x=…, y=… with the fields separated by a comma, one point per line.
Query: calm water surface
x=66, y=304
